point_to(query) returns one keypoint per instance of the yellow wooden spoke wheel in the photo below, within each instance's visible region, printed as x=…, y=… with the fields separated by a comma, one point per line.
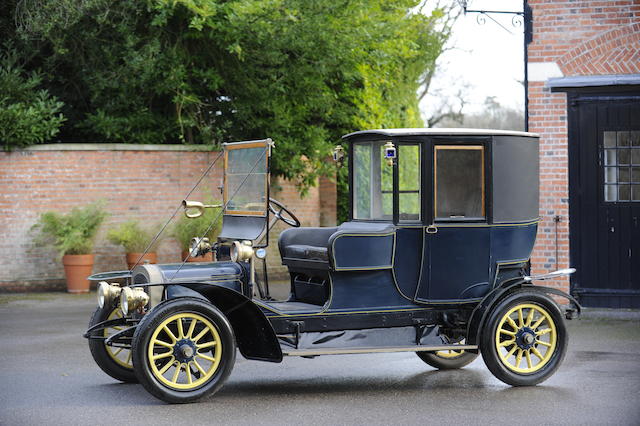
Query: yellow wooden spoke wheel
x=121, y=356
x=115, y=361
x=448, y=359
x=183, y=350
x=525, y=339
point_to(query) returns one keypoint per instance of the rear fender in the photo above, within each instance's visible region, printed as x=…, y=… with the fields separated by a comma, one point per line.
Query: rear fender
x=255, y=336
x=482, y=310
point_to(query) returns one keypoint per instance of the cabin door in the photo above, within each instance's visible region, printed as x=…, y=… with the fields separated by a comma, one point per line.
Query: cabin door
x=456, y=244
x=604, y=202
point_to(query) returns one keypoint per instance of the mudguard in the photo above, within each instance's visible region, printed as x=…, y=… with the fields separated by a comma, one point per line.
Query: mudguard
x=482, y=310
x=255, y=336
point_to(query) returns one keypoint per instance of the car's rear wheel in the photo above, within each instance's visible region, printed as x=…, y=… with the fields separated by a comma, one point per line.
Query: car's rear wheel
x=525, y=339
x=183, y=350
x=114, y=361
x=448, y=359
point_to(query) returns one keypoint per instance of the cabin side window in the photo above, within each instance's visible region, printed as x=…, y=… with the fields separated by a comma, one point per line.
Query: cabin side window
x=459, y=182
x=372, y=181
x=409, y=183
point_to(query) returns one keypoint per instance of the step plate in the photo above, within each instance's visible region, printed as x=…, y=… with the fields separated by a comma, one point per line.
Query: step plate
x=345, y=351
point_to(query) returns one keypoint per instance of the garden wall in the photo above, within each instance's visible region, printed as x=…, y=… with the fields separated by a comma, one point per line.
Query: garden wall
x=145, y=182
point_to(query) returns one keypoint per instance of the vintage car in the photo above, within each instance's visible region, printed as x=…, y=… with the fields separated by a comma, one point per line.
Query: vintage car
x=434, y=260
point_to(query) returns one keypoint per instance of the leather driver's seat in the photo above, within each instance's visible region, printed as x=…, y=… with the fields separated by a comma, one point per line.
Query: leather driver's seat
x=303, y=249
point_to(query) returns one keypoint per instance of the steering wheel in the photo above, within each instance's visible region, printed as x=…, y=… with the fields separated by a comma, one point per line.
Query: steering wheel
x=277, y=208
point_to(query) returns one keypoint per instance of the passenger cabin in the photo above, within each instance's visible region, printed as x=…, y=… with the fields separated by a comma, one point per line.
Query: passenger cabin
x=436, y=216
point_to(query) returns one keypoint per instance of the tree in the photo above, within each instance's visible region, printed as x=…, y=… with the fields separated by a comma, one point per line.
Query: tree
x=207, y=71
x=494, y=116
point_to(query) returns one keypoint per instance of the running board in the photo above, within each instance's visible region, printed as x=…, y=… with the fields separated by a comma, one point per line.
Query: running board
x=344, y=351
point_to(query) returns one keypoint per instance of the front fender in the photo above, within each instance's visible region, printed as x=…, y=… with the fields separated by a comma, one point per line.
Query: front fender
x=482, y=310
x=255, y=336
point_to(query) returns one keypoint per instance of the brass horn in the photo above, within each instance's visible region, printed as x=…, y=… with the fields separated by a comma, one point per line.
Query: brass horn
x=194, y=209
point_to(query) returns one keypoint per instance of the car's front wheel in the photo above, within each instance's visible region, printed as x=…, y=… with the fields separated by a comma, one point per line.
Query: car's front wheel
x=114, y=361
x=183, y=350
x=525, y=339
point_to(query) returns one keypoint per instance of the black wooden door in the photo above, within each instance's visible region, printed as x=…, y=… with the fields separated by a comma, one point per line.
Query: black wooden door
x=604, y=203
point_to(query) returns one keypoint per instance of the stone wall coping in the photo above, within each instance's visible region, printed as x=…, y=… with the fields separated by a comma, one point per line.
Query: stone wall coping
x=118, y=147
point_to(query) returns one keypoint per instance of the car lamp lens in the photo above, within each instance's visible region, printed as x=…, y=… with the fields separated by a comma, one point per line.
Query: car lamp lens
x=261, y=253
x=132, y=299
x=107, y=293
x=241, y=251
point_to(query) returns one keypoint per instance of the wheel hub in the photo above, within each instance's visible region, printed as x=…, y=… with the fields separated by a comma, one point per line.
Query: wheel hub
x=525, y=338
x=184, y=350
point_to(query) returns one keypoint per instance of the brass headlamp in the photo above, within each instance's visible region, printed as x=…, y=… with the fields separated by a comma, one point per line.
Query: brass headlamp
x=241, y=251
x=132, y=299
x=107, y=293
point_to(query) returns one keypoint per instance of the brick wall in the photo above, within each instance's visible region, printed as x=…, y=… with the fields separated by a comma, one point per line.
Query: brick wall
x=144, y=183
x=570, y=38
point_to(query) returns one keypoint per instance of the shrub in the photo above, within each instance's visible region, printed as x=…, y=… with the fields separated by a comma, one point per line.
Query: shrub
x=73, y=232
x=27, y=115
x=132, y=236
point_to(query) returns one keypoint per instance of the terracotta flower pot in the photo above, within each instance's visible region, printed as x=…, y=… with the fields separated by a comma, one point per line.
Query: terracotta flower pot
x=77, y=267
x=132, y=258
x=206, y=258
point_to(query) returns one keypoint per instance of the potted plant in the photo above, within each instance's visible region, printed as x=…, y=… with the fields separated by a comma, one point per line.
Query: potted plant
x=135, y=239
x=73, y=235
x=186, y=228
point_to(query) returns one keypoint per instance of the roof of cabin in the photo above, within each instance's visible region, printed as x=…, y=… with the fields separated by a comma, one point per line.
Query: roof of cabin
x=440, y=132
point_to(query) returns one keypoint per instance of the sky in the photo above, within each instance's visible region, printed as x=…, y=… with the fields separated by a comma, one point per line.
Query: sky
x=483, y=60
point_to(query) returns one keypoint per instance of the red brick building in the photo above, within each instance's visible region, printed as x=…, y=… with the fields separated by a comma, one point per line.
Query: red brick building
x=584, y=101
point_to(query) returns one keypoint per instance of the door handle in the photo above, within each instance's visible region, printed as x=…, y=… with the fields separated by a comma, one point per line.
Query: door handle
x=432, y=229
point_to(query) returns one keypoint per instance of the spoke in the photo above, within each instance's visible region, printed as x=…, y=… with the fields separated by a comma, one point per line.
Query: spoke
x=207, y=357
x=199, y=336
x=507, y=343
x=543, y=343
x=162, y=355
x=167, y=365
x=529, y=317
x=510, y=333
x=163, y=343
x=508, y=355
x=528, y=356
x=200, y=369
x=512, y=323
x=117, y=328
x=543, y=331
x=174, y=379
x=118, y=351
x=129, y=357
x=520, y=319
x=170, y=333
x=537, y=353
x=207, y=345
x=180, y=329
x=537, y=324
x=519, y=357
x=192, y=326
x=188, y=370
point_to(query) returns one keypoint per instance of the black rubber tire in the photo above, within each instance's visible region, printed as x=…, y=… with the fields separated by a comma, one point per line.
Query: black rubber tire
x=102, y=357
x=443, y=363
x=143, y=335
x=490, y=352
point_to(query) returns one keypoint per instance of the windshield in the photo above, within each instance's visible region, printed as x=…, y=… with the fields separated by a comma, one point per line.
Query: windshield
x=246, y=178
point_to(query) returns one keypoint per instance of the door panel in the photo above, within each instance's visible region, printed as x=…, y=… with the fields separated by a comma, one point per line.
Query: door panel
x=458, y=258
x=604, y=144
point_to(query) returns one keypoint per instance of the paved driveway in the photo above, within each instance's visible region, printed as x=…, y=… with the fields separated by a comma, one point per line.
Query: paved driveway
x=47, y=376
